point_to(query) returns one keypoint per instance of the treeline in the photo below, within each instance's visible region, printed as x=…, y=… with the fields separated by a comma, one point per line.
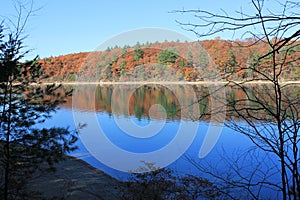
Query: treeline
x=190, y=61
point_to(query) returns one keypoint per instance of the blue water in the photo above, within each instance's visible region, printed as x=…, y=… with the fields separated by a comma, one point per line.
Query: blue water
x=228, y=141
x=117, y=142
x=229, y=145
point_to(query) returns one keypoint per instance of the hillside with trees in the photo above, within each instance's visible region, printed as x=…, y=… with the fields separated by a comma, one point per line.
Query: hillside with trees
x=188, y=60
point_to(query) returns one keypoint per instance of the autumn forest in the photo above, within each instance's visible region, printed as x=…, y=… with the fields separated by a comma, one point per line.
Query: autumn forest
x=189, y=61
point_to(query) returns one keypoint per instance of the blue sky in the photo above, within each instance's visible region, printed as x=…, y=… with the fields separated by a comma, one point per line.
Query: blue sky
x=63, y=26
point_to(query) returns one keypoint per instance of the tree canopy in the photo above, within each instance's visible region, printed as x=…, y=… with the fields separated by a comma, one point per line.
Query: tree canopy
x=24, y=104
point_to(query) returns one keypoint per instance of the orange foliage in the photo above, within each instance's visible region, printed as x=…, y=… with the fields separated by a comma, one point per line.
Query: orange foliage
x=227, y=56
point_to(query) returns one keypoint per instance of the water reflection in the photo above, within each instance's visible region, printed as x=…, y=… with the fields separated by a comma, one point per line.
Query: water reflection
x=124, y=142
x=177, y=101
x=137, y=104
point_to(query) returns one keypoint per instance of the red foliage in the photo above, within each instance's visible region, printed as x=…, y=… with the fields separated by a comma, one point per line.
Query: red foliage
x=224, y=54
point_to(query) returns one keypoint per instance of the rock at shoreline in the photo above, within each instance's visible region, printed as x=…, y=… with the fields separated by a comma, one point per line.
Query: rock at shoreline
x=75, y=179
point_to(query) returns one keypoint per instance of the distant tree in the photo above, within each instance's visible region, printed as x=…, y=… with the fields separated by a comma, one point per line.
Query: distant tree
x=122, y=66
x=114, y=57
x=124, y=51
x=203, y=59
x=167, y=56
x=182, y=63
x=108, y=73
x=25, y=103
x=148, y=44
x=232, y=62
x=138, y=53
x=190, y=57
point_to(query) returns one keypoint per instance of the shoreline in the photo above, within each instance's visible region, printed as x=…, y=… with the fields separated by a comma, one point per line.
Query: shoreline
x=74, y=178
x=167, y=82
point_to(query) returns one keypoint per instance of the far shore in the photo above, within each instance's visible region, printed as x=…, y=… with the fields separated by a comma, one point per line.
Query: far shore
x=167, y=82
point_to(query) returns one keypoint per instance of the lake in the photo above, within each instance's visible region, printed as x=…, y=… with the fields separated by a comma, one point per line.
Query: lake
x=127, y=125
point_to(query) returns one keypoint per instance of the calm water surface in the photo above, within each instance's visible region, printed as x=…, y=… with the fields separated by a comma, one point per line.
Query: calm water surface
x=139, y=105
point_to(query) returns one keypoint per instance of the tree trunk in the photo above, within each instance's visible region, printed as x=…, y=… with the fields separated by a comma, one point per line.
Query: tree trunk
x=7, y=143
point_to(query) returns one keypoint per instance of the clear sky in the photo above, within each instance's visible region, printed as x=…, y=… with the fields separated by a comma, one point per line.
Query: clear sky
x=69, y=26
